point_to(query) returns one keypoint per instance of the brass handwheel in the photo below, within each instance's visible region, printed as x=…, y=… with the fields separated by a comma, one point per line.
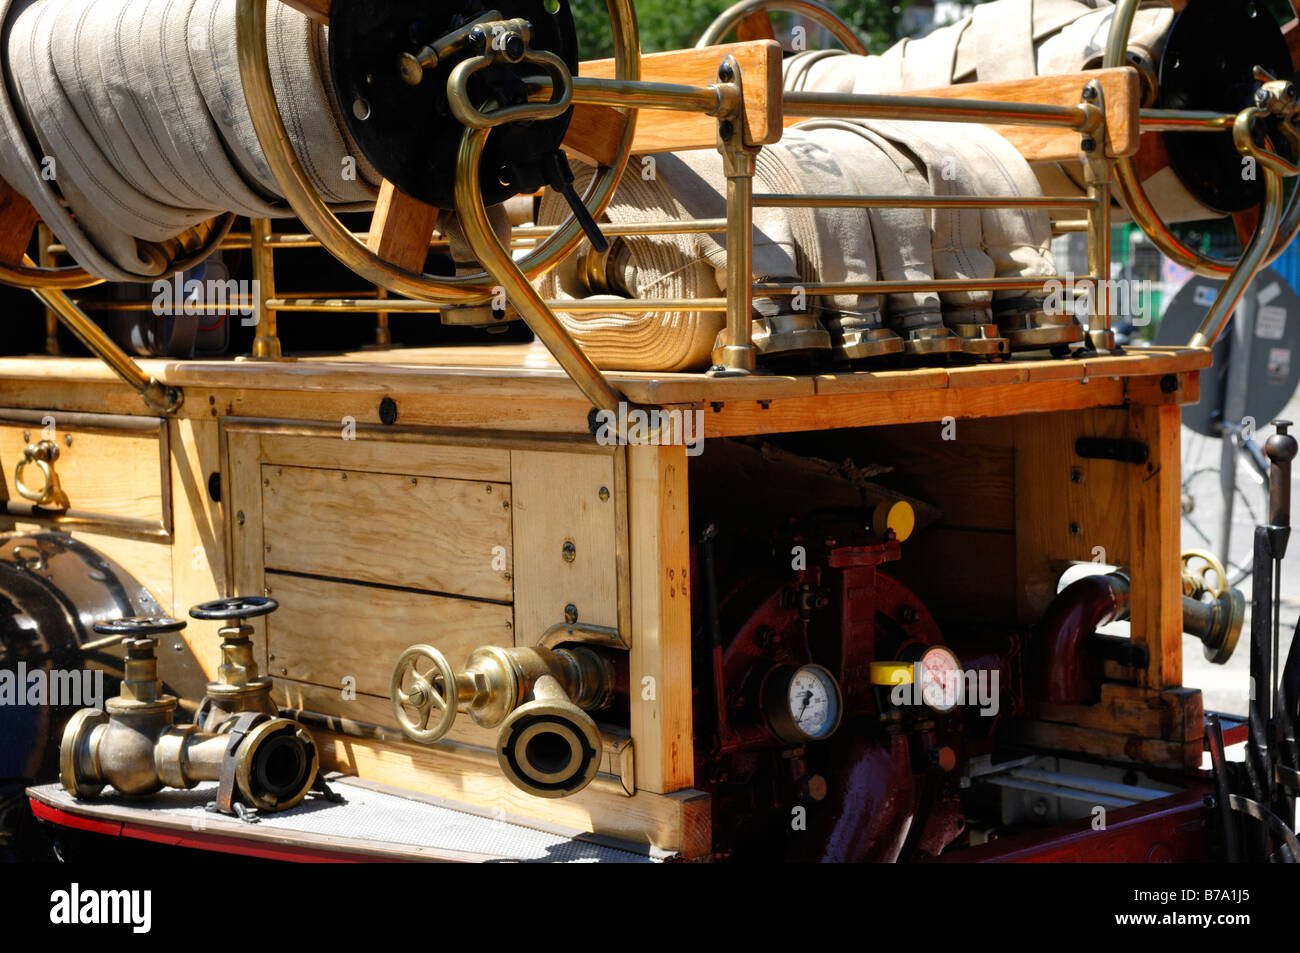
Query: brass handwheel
x=413, y=707
x=1194, y=575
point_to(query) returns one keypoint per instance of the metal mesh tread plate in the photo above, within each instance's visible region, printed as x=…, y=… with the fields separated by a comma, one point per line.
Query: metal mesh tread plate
x=381, y=822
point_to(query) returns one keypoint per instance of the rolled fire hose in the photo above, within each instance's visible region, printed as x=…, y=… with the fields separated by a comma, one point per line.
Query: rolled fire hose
x=133, y=114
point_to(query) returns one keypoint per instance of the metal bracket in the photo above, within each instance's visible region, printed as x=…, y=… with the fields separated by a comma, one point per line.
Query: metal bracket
x=1108, y=448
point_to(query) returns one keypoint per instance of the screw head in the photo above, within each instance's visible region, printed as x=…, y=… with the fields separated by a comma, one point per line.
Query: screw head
x=570, y=613
x=726, y=74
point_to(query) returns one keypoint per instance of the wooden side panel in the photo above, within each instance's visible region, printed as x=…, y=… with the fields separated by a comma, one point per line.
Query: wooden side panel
x=325, y=633
x=557, y=501
x=1068, y=508
x=438, y=535
x=660, y=664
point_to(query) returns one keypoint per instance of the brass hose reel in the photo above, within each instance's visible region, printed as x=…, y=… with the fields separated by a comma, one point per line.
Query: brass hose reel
x=268, y=763
x=548, y=744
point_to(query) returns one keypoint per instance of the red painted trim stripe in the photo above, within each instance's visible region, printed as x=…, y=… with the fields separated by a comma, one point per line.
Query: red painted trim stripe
x=199, y=840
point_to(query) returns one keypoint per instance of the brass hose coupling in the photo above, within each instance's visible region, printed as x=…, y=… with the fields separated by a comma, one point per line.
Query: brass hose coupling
x=132, y=745
x=548, y=745
x=238, y=687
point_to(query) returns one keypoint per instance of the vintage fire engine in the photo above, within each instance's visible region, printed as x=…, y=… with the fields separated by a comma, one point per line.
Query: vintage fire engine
x=768, y=564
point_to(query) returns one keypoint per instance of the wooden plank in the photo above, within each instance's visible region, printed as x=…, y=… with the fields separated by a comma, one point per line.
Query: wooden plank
x=1121, y=90
x=673, y=822
x=370, y=453
x=242, y=492
x=199, y=570
x=401, y=227
x=756, y=26
x=660, y=663
x=18, y=218
x=446, y=536
x=1154, y=519
x=368, y=630
x=668, y=131
x=557, y=501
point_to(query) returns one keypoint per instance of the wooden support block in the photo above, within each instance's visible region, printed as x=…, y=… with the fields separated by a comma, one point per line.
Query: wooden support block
x=660, y=663
x=1131, y=723
x=401, y=228
x=756, y=26
x=664, y=131
x=17, y=219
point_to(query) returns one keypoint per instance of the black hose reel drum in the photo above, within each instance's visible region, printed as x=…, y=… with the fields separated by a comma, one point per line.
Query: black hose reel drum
x=407, y=130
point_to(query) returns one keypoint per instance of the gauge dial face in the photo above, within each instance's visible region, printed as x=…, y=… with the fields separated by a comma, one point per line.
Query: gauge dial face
x=809, y=707
x=941, y=679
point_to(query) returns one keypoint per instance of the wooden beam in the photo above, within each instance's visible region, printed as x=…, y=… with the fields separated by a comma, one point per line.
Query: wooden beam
x=662, y=131
x=660, y=663
x=1154, y=518
x=756, y=26
x=401, y=228
x=1121, y=90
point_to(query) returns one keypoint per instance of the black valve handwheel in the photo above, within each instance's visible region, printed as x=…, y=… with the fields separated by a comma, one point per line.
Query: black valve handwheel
x=238, y=607
x=140, y=625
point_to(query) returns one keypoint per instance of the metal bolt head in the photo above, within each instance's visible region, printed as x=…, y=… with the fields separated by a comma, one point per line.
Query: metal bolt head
x=570, y=613
x=568, y=551
x=1090, y=93
x=604, y=494
x=725, y=129
x=1088, y=144
x=725, y=73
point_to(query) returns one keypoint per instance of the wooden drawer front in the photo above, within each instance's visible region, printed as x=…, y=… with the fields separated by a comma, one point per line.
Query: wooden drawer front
x=111, y=471
x=326, y=632
x=438, y=535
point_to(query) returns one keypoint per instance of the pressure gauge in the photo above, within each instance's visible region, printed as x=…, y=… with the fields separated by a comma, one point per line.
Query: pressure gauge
x=940, y=676
x=801, y=704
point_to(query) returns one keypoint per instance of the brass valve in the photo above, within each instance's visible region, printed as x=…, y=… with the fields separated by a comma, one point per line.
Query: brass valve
x=548, y=744
x=238, y=687
x=133, y=746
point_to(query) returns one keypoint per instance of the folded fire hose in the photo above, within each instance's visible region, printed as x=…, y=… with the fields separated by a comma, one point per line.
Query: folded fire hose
x=822, y=245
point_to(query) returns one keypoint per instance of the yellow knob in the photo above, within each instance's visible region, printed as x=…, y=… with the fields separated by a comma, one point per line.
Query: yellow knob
x=891, y=673
x=898, y=516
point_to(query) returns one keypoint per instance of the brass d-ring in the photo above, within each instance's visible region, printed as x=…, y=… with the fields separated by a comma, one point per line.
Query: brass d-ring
x=46, y=491
x=469, y=115
x=339, y=241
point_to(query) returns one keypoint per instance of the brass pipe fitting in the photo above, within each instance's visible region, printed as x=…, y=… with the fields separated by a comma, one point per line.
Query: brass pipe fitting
x=133, y=746
x=238, y=687
x=548, y=745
